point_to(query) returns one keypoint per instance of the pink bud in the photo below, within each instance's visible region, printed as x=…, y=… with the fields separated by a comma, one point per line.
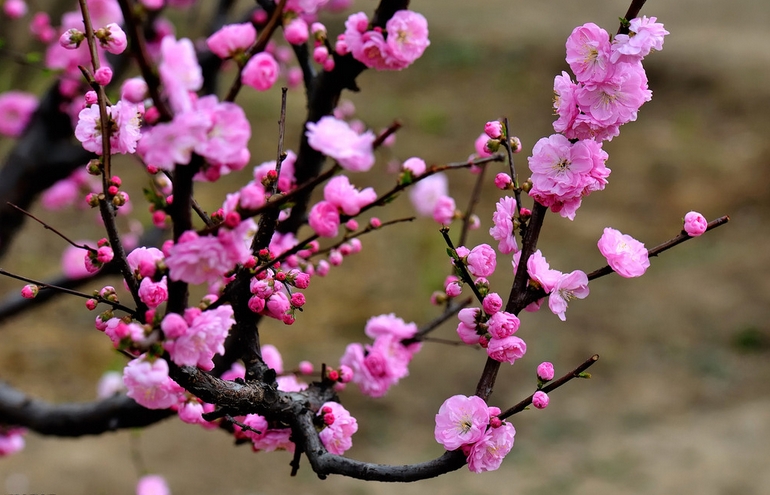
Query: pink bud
x=232, y=219
x=493, y=129
x=103, y=76
x=71, y=39
x=256, y=304
x=545, y=371
x=334, y=375
x=91, y=97
x=375, y=222
x=151, y=116
x=296, y=32
x=346, y=374
x=15, y=9
x=695, y=224
x=492, y=303
x=503, y=181
x=298, y=299
x=112, y=38
x=329, y=419
x=320, y=54
x=328, y=64
x=134, y=90
x=351, y=224
x=305, y=367
x=91, y=304
x=454, y=289
x=29, y=291
x=288, y=319
x=495, y=422
x=540, y=399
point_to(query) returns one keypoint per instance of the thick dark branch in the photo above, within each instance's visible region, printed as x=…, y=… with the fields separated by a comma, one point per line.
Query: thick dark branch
x=74, y=420
x=633, y=12
x=324, y=463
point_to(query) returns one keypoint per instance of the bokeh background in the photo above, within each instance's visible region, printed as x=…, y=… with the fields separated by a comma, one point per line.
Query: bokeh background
x=680, y=399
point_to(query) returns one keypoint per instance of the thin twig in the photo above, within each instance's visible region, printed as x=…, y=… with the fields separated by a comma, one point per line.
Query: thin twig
x=461, y=268
x=65, y=290
x=52, y=229
x=576, y=373
x=475, y=196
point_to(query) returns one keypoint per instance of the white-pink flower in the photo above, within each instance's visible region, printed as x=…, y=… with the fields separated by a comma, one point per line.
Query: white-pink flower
x=570, y=286
x=625, y=255
x=335, y=139
x=461, y=421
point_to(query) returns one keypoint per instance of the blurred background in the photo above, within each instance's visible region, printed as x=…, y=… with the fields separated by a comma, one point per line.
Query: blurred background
x=680, y=399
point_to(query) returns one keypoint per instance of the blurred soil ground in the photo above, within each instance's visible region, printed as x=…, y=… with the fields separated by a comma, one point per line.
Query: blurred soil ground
x=680, y=400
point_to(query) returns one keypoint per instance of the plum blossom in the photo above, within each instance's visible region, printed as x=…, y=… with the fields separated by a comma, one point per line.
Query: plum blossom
x=502, y=231
x=379, y=366
x=152, y=484
x=149, y=385
x=425, y=194
x=16, y=109
x=461, y=421
x=232, y=39
x=695, y=224
x=482, y=261
x=645, y=35
x=570, y=286
x=344, y=195
x=179, y=72
x=335, y=139
x=196, y=259
x=540, y=271
x=506, y=349
x=540, y=399
x=336, y=436
x=444, y=210
x=588, y=53
x=391, y=325
x=260, y=72
x=194, y=339
x=545, y=371
x=324, y=219
x=407, y=38
x=487, y=453
x=625, y=255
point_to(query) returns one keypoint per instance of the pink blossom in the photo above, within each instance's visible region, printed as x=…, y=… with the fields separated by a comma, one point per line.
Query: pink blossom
x=16, y=109
x=167, y=144
x=389, y=324
x=415, y=165
x=492, y=303
x=296, y=31
x=29, y=291
x=228, y=134
x=482, y=261
x=461, y=421
x=502, y=231
x=15, y=9
x=324, y=219
x=152, y=484
x=11, y=441
x=493, y=129
x=112, y=38
x=588, y=53
x=336, y=437
x=143, y=260
x=260, y=72
x=507, y=349
x=195, y=259
x=540, y=271
x=503, y=181
x=110, y=383
x=342, y=194
x=695, y=224
x=272, y=358
x=545, y=371
x=203, y=338
x=72, y=262
x=625, y=255
x=615, y=100
x=502, y=324
x=379, y=366
x=125, y=133
x=444, y=210
x=564, y=102
x=153, y=294
x=481, y=146
x=180, y=72
x=570, y=286
x=277, y=305
x=540, y=399
x=488, y=452
x=425, y=194
x=335, y=139
x=274, y=439
x=41, y=28
x=407, y=38
x=232, y=39
x=149, y=385
x=645, y=35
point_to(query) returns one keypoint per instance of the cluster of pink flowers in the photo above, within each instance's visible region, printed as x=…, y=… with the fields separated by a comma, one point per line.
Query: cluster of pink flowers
x=563, y=172
x=625, y=255
x=197, y=259
x=339, y=427
x=406, y=40
x=272, y=296
x=612, y=84
x=194, y=339
x=467, y=423
x=493, y=329
x=337, y=140
x=378, y=366
x=340, y=196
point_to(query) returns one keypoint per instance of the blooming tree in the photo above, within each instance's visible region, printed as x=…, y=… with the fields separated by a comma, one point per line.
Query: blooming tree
x=204, y=359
